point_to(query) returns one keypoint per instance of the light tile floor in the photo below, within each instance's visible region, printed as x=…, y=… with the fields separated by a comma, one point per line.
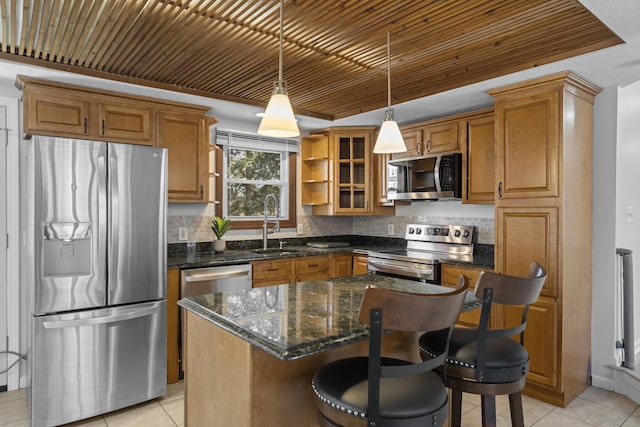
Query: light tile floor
x=594, y=407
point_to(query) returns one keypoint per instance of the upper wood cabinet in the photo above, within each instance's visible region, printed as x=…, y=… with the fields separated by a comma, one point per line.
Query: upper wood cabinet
x=432, y=137
x=527, y=146
x=478, y=166
x=183, y=135
x=59, y=109
x=543, y=213
x=118, y=121
x=337, y=172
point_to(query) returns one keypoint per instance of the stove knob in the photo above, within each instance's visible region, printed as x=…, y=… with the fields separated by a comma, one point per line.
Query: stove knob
x=456, y=233
x=466, y=234
x=418, y=230
x=411, y=230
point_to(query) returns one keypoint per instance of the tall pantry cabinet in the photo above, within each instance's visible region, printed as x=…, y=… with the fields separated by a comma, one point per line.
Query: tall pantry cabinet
x=543, y=213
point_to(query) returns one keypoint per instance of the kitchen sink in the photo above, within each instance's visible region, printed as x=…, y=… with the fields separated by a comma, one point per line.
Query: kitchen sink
x=274, y=251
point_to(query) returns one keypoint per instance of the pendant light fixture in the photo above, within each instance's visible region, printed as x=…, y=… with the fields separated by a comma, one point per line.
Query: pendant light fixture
x=278, y=119
x=389, y=138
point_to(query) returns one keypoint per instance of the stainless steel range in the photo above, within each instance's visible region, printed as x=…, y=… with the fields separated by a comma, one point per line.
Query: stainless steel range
x=427, y=246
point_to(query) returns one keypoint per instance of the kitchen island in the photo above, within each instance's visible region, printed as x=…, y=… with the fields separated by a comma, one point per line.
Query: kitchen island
x=251, y=354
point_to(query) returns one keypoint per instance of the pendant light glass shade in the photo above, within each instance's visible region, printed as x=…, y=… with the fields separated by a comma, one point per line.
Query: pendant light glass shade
x=278, y=120
x=389, y=138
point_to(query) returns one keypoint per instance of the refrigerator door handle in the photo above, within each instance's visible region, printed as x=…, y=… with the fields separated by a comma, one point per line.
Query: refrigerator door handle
x=142, y=312
x=218, y=276
x=114, y=209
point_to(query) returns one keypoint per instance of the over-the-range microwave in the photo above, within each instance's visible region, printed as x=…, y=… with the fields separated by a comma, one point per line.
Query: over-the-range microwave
x=426, y=178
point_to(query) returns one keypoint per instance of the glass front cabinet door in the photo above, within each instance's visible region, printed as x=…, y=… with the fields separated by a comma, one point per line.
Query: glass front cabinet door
x=352, y=172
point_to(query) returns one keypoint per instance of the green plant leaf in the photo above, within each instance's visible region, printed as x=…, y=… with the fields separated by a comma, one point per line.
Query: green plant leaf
x=220, y=226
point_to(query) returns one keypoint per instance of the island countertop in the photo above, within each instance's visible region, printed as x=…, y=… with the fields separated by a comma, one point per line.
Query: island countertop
x=301, y=319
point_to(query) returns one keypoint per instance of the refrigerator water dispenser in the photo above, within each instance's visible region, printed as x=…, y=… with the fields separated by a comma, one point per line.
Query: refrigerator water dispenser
x=67, y=249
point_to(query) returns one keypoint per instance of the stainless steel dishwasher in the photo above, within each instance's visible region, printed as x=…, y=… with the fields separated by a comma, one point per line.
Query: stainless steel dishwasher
x=201, y=281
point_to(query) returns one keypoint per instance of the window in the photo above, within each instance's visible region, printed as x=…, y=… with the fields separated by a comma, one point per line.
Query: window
x=254, y=166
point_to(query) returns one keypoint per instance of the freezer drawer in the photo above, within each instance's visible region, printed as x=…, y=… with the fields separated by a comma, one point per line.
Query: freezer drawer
x=91, y=362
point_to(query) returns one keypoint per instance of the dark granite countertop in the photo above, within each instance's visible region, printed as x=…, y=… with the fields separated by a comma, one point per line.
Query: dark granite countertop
x=482, y=259
x=293, y=321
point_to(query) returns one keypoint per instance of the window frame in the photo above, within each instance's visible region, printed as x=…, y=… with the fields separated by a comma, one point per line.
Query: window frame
x=291, y=222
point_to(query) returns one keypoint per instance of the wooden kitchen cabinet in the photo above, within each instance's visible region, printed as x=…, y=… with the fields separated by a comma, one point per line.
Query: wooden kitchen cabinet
x=63, y=110
x=186, y=139
x=124, y=121
x=449, y=275
x=51, y=111
x=543, y=213
x=315, y=169
x=343, y=183
x=312, y=268
x=173, y=325
x=528, y=144
x=341, y=265
x=272, y=272
x=478, y=166
x=360, y=264
x=431, y=137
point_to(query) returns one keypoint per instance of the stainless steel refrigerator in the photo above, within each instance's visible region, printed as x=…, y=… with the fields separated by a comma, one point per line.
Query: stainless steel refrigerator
x=96, y=247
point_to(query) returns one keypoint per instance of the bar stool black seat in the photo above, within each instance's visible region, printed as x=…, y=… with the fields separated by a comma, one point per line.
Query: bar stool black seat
x=379, y=391
x=487, y=361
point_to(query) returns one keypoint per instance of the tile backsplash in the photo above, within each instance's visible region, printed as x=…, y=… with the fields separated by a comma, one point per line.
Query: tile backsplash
x=198, y=227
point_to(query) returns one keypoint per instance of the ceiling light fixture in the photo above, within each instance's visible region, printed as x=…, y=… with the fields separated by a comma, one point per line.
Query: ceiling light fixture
x=278, y=120
x=389, y=138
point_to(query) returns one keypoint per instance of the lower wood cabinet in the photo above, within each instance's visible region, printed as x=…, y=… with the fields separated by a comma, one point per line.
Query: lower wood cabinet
x=341, y=265
x=449, y=277
x=312, y=268
x=360, y=264
x=272, y=272
x=173, y=325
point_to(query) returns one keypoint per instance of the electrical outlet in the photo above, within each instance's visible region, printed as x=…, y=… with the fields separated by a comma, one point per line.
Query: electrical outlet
x=300, y=229
x=182, y=233
x=390, y=229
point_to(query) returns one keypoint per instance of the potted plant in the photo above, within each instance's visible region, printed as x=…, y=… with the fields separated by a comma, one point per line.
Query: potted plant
x=220, y=226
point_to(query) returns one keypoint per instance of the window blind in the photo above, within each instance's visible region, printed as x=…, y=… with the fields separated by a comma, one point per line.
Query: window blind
x=254, y=142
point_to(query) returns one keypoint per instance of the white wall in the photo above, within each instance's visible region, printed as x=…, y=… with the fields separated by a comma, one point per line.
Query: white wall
x=615, y=188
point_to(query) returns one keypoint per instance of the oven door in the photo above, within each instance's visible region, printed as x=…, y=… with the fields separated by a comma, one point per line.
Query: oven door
x=404, y=269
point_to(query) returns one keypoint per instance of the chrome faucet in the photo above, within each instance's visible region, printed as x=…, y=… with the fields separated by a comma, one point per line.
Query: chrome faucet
x=265, y=225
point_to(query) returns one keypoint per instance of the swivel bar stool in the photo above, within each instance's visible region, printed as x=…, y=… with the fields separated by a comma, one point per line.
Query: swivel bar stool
x=486, y=361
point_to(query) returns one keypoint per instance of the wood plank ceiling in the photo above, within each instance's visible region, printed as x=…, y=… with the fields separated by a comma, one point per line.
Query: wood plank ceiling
x=334, y=50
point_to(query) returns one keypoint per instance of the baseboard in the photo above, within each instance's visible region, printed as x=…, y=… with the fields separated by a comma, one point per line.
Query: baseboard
x=605, y=383
x=626, y=382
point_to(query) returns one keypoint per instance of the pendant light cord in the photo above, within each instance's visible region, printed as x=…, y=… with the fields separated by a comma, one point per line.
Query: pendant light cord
x=388, y=71
x=280, y=56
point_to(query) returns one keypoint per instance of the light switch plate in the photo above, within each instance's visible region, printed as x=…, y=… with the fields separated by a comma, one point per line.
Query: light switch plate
x=300, y=229
x=182, y=233
x=390, y=229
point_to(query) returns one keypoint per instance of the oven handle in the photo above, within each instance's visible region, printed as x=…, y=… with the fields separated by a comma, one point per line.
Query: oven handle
x=394, y=268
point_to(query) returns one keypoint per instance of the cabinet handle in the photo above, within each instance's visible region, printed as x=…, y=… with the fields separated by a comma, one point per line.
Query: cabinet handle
x=419, y=147
x=103, y=127
x=272, y=269
x=500, y=189
x=428, y=146
x=312, y=265
x=85, y=125
x=201, y=191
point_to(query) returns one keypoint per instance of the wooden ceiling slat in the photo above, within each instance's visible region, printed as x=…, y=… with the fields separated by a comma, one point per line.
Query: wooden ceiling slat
x=30, y=17
x=4, y=16
x=68, y=29
x=75, y=36
x=124, y=14
x=94, y=31
x=152, y=10
x=163, y=65
x=211, y=26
